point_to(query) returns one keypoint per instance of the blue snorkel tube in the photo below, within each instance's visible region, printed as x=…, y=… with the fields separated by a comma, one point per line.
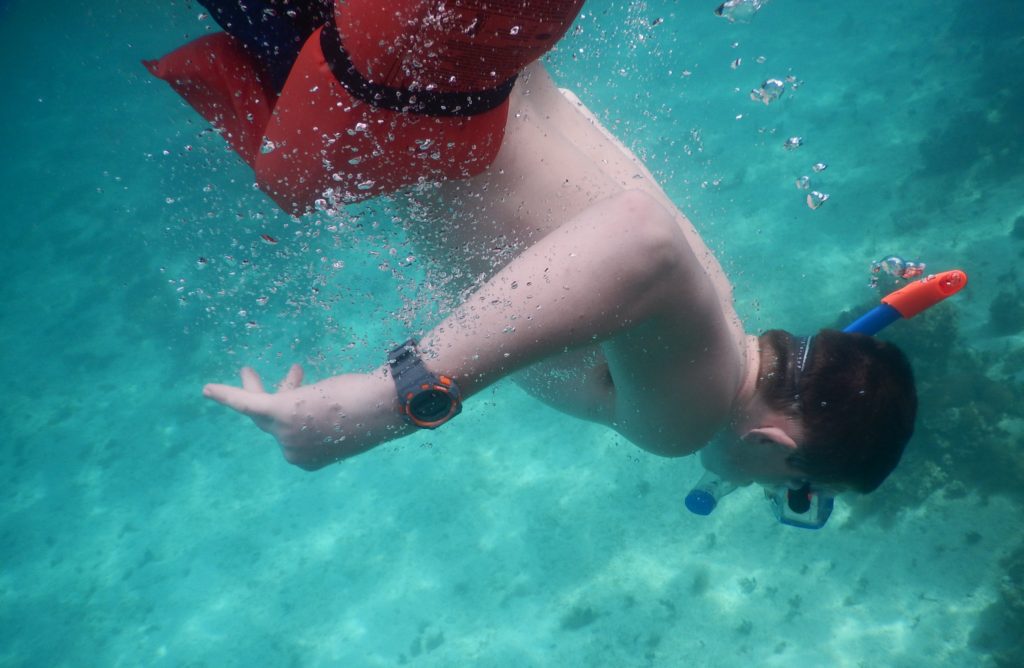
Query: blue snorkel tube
x=804, y=508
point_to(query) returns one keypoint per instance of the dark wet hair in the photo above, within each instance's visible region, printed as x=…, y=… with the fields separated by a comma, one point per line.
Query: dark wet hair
x=855, y=397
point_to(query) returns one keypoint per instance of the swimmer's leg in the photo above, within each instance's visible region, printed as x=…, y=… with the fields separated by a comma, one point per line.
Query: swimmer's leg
x=272, y=32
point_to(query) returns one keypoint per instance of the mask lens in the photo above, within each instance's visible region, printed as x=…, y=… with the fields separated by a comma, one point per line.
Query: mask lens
x=799, y=500
x=802, y=507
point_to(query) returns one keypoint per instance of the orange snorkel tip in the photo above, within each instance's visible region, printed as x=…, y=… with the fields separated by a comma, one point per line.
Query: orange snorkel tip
x=909, y=300
x=920, y=295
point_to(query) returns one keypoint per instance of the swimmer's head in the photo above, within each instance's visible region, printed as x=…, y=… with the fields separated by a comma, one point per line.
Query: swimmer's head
x=854, y=397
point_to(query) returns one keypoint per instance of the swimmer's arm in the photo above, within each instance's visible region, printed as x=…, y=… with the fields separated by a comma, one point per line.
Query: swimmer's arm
x=324, y=422
x=621, y=263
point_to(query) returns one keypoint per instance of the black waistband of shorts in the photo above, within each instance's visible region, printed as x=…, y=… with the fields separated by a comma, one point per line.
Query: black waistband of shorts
x=429, y=103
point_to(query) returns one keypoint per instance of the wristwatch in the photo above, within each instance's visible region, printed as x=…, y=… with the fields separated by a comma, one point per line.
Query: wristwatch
x=426, y=400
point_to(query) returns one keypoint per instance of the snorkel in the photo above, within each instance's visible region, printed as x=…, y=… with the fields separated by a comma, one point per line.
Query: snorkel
x=806, y=507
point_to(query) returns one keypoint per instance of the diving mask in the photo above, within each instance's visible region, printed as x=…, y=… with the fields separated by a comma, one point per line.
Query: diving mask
x=804, y=507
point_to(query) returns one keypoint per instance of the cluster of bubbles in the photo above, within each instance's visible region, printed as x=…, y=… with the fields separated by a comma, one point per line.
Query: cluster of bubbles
x=896, y=268
x=771, y=90
x=815, y=198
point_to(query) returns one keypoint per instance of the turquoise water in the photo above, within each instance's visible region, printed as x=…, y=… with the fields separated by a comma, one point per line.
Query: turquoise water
x=141, y=525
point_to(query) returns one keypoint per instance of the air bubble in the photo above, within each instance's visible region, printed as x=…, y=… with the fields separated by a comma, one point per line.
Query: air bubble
x=815, y=199
x=739, y=11
x=897, y=267
x=770, y=90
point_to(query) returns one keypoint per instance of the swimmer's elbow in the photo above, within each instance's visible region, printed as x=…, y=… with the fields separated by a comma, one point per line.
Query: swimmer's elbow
x=303, y=461
x=650, y=234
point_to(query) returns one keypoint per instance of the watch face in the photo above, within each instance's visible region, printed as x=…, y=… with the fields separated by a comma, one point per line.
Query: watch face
x=430, y=405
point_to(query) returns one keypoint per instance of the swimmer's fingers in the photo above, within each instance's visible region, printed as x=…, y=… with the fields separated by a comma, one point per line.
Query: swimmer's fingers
x=255, y=404
x=252, y=399
x=251, y=380
x=292, y=379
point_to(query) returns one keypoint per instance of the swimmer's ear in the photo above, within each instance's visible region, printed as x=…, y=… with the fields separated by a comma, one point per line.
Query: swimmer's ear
x=770, y=436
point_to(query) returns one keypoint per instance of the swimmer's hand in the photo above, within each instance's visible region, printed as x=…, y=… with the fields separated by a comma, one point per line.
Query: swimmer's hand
x=321, y=423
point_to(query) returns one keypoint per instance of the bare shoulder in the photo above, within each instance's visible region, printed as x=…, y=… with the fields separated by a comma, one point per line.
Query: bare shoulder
x=567, y=118
x=674, y=377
